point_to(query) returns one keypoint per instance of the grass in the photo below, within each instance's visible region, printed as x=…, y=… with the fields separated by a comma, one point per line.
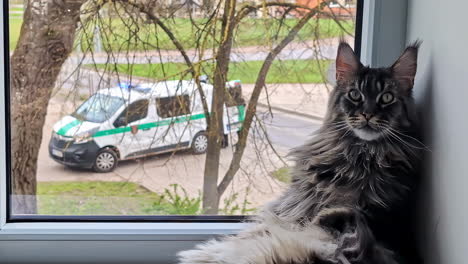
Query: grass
x=124, y=198
x=282, y=174
x=110, y=198
x=15, y=27
x=250, y=32
x=15, y=9
x=288, y=71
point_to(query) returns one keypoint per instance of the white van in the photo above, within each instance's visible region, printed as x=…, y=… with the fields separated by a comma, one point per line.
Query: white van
x=129, y=122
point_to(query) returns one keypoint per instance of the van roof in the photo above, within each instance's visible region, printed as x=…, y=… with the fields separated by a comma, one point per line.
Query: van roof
x=152, y=90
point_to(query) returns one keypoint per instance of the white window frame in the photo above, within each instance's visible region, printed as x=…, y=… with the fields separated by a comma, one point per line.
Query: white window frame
x=78, y=242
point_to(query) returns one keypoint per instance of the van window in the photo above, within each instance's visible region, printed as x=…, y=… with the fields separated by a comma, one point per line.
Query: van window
x=234, y=96
x=98, y=108
x=135, y=111
x=173, y=106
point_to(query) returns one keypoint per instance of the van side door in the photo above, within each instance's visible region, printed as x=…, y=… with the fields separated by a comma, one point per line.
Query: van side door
x=174, y=130
x=134, y=127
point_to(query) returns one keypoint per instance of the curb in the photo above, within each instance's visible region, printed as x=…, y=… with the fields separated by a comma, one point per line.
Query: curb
x=291, y=112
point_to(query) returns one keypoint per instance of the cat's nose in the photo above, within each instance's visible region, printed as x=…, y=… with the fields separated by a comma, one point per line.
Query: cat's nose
x=367, y=116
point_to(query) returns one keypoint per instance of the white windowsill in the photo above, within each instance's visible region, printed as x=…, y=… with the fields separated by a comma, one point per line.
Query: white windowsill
x=112, y=231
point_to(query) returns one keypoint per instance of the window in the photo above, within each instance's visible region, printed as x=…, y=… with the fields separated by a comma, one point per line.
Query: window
x=107, y=64
x=73, y=116
x=98, y=108
x=134, y=112
x=173, y=106
x=154, y=192
x=234, y=95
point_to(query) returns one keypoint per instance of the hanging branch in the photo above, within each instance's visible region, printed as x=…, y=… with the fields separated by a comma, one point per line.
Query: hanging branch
x=259, y=84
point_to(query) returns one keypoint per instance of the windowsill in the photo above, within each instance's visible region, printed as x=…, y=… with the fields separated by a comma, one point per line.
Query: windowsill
x=117, y=231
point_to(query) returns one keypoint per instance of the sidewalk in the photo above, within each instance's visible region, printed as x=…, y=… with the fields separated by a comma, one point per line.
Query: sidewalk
x=322, y=49
x=308, y=100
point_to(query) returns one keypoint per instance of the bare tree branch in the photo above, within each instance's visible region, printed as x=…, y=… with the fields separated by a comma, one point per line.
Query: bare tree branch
x=259, y=84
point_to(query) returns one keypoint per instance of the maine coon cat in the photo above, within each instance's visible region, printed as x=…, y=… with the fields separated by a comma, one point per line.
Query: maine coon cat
x=350, y=184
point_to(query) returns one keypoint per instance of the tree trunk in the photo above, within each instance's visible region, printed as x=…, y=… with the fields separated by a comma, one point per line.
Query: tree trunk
x=215, y=130
x=45, y=42
x=252, y=106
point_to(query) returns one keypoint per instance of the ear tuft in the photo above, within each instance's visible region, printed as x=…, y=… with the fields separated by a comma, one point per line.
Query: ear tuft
x=404, y=69
x=347, y=64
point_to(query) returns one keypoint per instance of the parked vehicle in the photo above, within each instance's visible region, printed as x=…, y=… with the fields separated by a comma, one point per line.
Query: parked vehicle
x=129, y=122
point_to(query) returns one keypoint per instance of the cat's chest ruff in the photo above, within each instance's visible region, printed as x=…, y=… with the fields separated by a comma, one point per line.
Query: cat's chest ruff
x=361, y=163
x=369, y=172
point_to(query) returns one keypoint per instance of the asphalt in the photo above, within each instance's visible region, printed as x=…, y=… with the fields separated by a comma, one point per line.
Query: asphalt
x=321, y=49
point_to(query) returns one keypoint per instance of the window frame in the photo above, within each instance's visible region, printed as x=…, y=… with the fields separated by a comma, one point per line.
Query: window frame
x=143, y=240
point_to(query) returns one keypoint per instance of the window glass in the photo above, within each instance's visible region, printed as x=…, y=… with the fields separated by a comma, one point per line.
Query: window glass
x=98, y=108
x=76, y=65
x=173, y=106
x=134, y=112
x=234, y=96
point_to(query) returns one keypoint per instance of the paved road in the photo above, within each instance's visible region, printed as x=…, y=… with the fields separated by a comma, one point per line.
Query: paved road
x=287, y=131
x=325, y=49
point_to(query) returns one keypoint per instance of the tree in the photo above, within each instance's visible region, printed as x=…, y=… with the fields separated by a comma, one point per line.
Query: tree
x=46, y=40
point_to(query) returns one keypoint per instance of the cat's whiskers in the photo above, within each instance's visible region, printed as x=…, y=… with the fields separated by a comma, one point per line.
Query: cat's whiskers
x=394, y=132
x=335, y=129
x=401, y=140
x=412, y=138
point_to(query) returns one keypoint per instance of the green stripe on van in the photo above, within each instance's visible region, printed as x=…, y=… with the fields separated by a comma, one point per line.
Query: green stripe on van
x=148, y=125
x=241, y=109
x=63, y=130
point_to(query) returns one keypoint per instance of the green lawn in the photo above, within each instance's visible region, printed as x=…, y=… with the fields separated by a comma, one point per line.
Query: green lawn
x=111, y=198
x=147, y=37
x=250, y=32
x=125, y=198
x=15, y=27
x=288, y=71
x=15, y=9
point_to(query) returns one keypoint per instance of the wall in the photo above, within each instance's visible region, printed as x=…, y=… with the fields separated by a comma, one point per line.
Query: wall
x=442, y=92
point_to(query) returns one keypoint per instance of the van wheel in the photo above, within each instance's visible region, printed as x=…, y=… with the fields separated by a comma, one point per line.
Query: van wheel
x=200, y=143
x=106, y=161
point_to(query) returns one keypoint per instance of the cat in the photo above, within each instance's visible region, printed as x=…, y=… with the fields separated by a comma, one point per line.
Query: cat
x=351, y=183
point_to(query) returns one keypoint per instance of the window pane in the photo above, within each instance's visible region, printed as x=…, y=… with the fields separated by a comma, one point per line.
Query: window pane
x=173, y=106
x=136, y=111
x=112, y=104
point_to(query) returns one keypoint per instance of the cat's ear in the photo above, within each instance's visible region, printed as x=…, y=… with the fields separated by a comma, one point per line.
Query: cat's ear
x=347, y=63
x=404, y=69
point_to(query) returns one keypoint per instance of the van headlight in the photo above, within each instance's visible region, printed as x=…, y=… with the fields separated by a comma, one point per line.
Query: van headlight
x=85, y=137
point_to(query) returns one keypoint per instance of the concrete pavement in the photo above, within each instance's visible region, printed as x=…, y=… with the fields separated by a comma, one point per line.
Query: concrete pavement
x=324, y=49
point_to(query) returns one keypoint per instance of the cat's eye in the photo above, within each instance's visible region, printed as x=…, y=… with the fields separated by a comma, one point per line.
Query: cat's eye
x=386, y=98
x=354, y=95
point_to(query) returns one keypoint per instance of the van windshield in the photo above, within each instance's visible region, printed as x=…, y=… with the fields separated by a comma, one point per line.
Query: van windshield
x=98, y=108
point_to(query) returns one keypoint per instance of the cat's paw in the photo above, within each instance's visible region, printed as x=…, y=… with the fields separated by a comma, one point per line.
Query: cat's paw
x=336, y=220
x=351, y=246
x=350, y=230
x=356, y=242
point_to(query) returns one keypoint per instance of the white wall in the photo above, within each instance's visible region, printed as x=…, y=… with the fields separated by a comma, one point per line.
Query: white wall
x=442, y=92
